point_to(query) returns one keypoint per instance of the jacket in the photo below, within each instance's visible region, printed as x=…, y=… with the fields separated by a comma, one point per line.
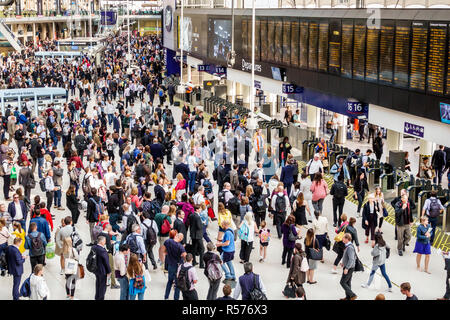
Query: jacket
x=90, y=216
x=183, y=169
x=12, y=209
x=103, y=267
x=438, y=160
x=34, y=235
x=349, y=257
x=339, y=190
x=26, y=177
x=38, y=287
x=209, y=257
x=421, y=230
x=72, y=203
x=334, y=171
x=195, y=226
x=319, y=191
x=42, y=226
x=181, y=228
x=160, y=194
x=234, y=180
x=15, y=261
x=367, y=216
x=402, y=216
x=379, y=255
x=287, y=174
x=295, y=273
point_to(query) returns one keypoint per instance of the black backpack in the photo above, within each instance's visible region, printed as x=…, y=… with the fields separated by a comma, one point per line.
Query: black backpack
x=434, y=209
x=130, y=221
x=37, y=246
x=131, y=240
x=42, y=185
x=256, y=293
x=280, y=204
x=340, y=190
x=233, y=205
x=91, y=261
x=183, y=282
x=150, y=235
x=221, y=196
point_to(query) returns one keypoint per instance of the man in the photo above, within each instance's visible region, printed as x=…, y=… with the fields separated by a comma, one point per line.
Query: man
x=121, y=260
x=15, y=262
x=432, y=208
x=162, y=237
x=80, y=143
x=334, y=126
x=339, y=191
x=225, y=195
x=192, y=163
x=50, y=189
x=234, y=180
x=247, y=283
x=446, y=256
x=171, y=92
x=103, y=269
x=228, y=250
x=438, y=161
x=280, y=202
x=196, y=232
x=199, y=197
x=287, y=175
x=372, y=129
x=348, y=263
x=366, y=160
x=377, y=145
x=324, y=146
x=157, y=150
x=226, y=293
x=219, y=174
x=136, y=242
x=403, y=221
x=58, y=172
x=42, y=225
x=150, y=241
x=258, y=144
x=354, y=161
x=92, y=213
x=314, y=165
x=340, y=169
x=19, y=136
x=174, y=254
x=35, y=242
x=26, y=179
x=405, y=288
x=191, y=275
x=17, y=209
x=159, y=191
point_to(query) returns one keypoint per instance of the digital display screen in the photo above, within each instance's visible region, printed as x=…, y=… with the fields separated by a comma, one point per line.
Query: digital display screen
x=276, y=74
x=304, y=44
x=447, y=91
x=387, y=52
x=359, y=48
x=244, y=37
x=295, y=35
x=313, y=44
x=401, y=60
x=418, y=69
x=334, y=48
x=278, y=41
x=264, y=44
x=220, y=31
x=373, y=36
x=287, y=42
x=323, y=47
x=271, y=40
x=257, y=40
x=436, y=57
x=347, y=49
x=187, y=34
x=445, y=112
x=249, y=38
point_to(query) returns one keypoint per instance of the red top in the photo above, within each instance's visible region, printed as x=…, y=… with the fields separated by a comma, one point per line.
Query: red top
x=77, y=159
x=46, y=214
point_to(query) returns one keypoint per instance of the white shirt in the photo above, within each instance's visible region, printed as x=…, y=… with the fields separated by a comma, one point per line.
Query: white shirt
x=305, y=188
x=198, y=198
x=320, y=225
x=19, y=213
x=315, y=166
x=191, y=161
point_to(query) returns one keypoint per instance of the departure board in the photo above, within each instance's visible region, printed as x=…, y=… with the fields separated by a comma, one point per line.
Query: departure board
x=401, y=57
x=278, y=41
x=264, y=44
x=419, y=41
x=286, y=42
x=359, y=48
x=323, y=47
x=313, y=44
x=249, y=38
x=436, y=57
x=304, y=44
x=347, y=49
x=271, y=40
x=334, y=47
x=295, y=35
x=258, y=40
x=447, y=91
x=373, y=36
x=387, y=33
x=244, y=36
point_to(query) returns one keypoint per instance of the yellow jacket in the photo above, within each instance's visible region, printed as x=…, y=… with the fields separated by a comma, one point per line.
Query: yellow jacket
x=224, y=217
x=22, y=236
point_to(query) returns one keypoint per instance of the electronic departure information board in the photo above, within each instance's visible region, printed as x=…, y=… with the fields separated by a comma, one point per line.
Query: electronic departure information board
x=436, y=57
x=323, y=47
x=408, y=54
x=419, y=43
x=401, y=56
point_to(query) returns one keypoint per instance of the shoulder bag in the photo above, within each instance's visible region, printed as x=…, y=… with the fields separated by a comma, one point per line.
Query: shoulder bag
x=340, y=235
x=315, y=254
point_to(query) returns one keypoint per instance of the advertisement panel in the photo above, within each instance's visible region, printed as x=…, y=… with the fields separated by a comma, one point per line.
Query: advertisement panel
x=168, y=24
x=219, y=38
x=108, y=18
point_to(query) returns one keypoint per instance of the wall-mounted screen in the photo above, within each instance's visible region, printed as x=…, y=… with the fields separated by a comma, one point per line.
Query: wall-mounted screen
x=286, y=42
x=264, y=44
x=313, y=45
x=436, y=57
x=220, y=35
x=387, y=34
x=445, y=112
x=304, y=44
x=359, y=50
x=347, y=48
x=323, y=47
x=401, y=60
x=257, y=40
x=271, y=40
x=373, y=37
x=334, y=47
x=419, y=44
x=276, y=74
x=295, y=36
x=244, y=37
x=278, y=41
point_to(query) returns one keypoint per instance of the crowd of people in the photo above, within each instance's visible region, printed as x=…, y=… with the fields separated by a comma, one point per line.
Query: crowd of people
x=117, y=162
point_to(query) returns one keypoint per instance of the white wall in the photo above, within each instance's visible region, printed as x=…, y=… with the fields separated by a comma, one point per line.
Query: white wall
x=434, y=131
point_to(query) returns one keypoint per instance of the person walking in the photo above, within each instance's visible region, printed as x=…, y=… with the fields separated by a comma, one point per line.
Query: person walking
x=15, y=262
x=339, y=191
x=247, y=283
x=121, y=260
x=423, y=247
x=228, y=250
x=196, y=233
x=432, y=209
x=38, y=286
x=280, y=202
x=71, y=261
x=299, y=267
x=190, y=275
x=212, y=262
x=311, y=242
x=446, y=256
x=319, y=189
x=72, y=203
x=360, y=188
x=135, y=272
x=36, y=243
x=175, y=253
x=438, y=161
x=248, y=229
x=290, y=235
x=370, y=218
x=379, y=254
x=348, y=263
x=403, y=221
x=103, y=269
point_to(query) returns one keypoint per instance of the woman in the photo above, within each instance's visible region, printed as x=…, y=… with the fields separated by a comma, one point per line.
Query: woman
x=273, y=183
x=407, y=162
x=285, y=149
x=74, y=175
x=269, y=165
x=135, y=271
x=223, y=215
x=370, y=218
x=38, y=286
x=348, y=227
x=19, y=232
x=379, y=198
x=305, y=188
x=245, y=208
x=134, y=197
x=72, y=203
x=297, y=275
x=298, y=209
x=180, y=187
x=379, y=259
x=48, y=163
x=360, y=186
x=426, y=171
x=319, y=189
x=290, y=234
x=311, y=242
x=71, y=259
x=423, y=246
x=4, y=236
x=248, y=225
x=211, y=257
x=320, y=227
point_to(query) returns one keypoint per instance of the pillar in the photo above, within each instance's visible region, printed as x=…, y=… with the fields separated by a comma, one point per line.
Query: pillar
x=34, y=33
x=313, y=119
x=427, y=147
x=273, y=103
x=85, y=29
x=54, y=30
x=394, y=140
x=246, y=95
x=189, y=73
x=341, y=137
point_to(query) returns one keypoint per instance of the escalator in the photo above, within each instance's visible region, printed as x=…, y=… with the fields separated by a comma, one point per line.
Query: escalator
x=10, y=37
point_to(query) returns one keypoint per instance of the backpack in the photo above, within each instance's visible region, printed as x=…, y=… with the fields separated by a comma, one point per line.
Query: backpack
x=37, y=246
x=25, y=289
x=77, y=243
x=98, y=228
x=91, y=261
x=243, y=232
x=155, y=208
x=234, y=206
x=388, y=252
x=86, y=186
x=131, y=240
x=260, y=204
x=221, y=196
x=256, y=293
x=208, y=186
x=165, y=227
x=151, y=234
x=280, y=204
x=3, y=261
x=339, y=191
x=99, y=208
x=434, y=209
x=138, y=282
x=264, y=236
x=213, y=270
x=183, y=283
x=42, y=185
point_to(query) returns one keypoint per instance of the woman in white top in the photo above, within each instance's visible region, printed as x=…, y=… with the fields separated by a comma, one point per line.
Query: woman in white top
x=247, y=243
x=110, y=177
x=4, y=236
x=71, y=258
x=305, y=185
x=38, y=286
x=379, y=197
x=273, y=183
x=320, y=226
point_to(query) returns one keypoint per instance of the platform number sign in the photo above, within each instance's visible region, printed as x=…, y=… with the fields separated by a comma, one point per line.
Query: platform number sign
x=291, y=88
x=357, y=107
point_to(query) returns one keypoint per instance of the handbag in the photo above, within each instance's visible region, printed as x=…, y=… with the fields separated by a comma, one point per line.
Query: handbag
x=327, y=243
x=70, y=266
x=385, y=212
x=291, y=236
x=358, y=265
x=315, y=254
x=80, y=271
x=289, y=289
x=340, y=235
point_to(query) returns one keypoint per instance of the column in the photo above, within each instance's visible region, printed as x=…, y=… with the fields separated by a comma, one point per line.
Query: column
x=394, y=140
x=34, y=33
x=54, y=30
x=342, y=129
x=313, y=119
x=85, y=29
x=246, y=92
x=189, y=73
x=426, y=147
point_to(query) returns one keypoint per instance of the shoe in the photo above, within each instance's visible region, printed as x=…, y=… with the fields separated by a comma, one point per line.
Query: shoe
x=115, y=287
x=202, y=267
x=61, y=208
x=335, y=224
x=3, y=273
x=68, y=298
x=261, y=260
x=61, y=272
x=155, y=267
x=312, y=282
x=353, y=298
x=441, y=299
x=364, y=285
x=55, y=207
x=400, y=253
x=389, y=290
x=242, y=261
x=334, y=271
x=90, y=244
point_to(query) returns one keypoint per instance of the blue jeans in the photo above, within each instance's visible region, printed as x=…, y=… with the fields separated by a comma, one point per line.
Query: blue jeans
x=191, y=182
x=139, y=295
x=110, y=118
x=113, y=217
x=123, y=288
x=433, y=222
x=57, y=199
x=383, y=272
x=40, y=164
x=205, y=234
x=172, y=274
x=228, y=269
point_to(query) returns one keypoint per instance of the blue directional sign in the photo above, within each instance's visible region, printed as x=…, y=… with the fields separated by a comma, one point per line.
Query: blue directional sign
x=290, y=88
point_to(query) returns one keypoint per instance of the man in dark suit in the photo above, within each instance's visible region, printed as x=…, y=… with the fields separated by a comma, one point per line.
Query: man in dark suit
x=182, y=168
x=196, y=232
x=15, y=214
x=171, y=92
x=438, y=161
x=103, y=268
x=26, y=179
x=220, y=174
x=287, y=176
x=15, y=265
x=157, y=150
x=160, y=193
